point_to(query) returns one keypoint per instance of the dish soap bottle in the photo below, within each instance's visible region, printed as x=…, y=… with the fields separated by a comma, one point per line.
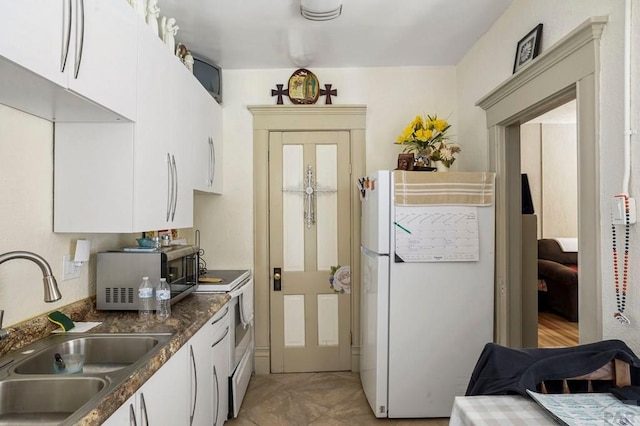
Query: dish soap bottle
x=145, y=299
x=163, y=300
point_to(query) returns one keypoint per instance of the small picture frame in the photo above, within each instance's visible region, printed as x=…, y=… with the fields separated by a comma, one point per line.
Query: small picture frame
x=405, y=161
x=528, y=48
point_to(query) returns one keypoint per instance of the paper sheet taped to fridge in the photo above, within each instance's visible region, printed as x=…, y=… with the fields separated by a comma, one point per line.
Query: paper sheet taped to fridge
x=437, y=234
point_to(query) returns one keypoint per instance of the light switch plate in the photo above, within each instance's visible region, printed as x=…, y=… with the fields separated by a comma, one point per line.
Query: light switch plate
x=69, y=268
x=618, y=215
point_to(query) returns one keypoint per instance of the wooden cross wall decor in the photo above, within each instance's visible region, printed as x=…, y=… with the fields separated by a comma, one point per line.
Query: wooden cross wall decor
x=279, y=92
x=328, y=92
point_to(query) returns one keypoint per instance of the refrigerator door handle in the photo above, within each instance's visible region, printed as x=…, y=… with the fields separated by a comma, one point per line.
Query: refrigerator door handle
x=277, y=283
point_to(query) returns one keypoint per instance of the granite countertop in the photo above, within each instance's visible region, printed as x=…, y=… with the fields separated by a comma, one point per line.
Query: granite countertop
x=187, y=317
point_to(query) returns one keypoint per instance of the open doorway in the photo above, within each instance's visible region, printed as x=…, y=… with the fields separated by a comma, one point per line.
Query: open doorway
x=565, y=71
x=548, y=162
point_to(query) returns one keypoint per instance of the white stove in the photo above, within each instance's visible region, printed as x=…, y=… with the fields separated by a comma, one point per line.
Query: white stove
x=239, y=285
x=230, y=279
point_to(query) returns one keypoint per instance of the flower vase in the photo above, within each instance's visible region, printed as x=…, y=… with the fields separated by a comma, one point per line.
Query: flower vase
x=441, y=167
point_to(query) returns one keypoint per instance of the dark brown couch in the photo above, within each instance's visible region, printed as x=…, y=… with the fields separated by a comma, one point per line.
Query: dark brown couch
x=559, y=270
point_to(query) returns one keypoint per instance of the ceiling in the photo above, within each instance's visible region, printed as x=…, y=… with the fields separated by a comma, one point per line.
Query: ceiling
x=249, y=34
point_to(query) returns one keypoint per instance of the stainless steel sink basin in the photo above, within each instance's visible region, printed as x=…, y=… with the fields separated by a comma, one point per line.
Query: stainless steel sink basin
x=45, y=401
x=32, y=394
x=102, y=353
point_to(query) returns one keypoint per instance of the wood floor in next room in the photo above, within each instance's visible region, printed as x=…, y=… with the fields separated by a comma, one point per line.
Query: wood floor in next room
x=318, y=399
x=554, y=331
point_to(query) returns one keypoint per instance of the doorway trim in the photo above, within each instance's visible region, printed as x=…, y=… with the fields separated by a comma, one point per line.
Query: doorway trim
x=267, y=118
x=568, y=69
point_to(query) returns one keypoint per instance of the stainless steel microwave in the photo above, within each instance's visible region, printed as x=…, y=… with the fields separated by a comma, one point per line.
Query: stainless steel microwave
x=120, y=272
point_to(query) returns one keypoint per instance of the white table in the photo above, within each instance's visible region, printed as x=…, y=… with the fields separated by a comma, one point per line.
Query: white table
x=498, y=410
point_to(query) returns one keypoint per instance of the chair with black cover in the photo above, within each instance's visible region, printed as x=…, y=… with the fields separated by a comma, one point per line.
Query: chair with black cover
x=615, y=373
x=592, y=367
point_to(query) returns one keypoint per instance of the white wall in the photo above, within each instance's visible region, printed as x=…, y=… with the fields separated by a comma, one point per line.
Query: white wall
x=393, y=96
x=549, y=157
x=491, y=61
x=26, y=212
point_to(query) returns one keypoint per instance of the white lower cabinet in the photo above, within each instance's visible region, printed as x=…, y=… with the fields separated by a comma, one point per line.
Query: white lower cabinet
x=209, y=371
x=127, y=414
x=159, y=402
x=220, y=360
x=191, y=388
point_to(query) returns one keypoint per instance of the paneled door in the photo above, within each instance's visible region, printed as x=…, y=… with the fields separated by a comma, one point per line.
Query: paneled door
x=309, y=234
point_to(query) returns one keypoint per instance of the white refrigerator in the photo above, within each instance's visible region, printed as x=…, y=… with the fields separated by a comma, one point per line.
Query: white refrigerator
x=427, y=290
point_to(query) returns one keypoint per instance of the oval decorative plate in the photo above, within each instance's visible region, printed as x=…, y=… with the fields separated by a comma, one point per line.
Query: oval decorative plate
x=304, y=87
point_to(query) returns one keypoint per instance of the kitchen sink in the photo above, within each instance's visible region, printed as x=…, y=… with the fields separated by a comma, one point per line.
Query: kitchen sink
x=45, y=401
x=102, y=353
x=33, y=392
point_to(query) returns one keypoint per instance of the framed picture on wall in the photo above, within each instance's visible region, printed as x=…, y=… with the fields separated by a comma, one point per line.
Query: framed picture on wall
x=528, y=48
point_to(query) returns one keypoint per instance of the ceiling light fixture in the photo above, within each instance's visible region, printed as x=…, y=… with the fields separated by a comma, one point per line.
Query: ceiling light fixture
x=320, y=10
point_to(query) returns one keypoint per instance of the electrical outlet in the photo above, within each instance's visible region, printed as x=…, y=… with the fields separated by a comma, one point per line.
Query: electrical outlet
x=618, y=213
x=69, y=268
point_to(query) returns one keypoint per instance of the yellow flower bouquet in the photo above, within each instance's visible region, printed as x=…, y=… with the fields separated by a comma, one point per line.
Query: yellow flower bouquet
x=427, y=137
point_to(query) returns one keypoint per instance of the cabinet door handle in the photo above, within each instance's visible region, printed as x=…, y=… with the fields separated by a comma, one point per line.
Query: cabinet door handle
x=221, y=317
x=213, y=161
x=132, y=416
x=222, y=338
x=175, y=185
x=144, y=413
x=169, y=186
x=209, y=165
x=79, y=36
x=66, y=33
x=215, y=378
x=195, y=380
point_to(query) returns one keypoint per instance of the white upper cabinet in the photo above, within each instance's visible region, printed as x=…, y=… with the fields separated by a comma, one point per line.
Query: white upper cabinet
x=207, y=144
x=157, y=163
x=102, y=63
x=33, y=36
x=182, y=136
x=65, y=48
x=131, y=177
x=138, y=175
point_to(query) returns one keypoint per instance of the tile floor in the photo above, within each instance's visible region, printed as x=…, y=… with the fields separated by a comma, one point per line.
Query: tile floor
x=318, y=399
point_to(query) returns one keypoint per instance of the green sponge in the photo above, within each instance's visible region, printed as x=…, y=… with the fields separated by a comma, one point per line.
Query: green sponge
x=61, y=319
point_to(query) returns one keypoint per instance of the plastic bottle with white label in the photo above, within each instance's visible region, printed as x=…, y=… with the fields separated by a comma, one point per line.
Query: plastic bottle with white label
x=145, y=299
x=163, y=299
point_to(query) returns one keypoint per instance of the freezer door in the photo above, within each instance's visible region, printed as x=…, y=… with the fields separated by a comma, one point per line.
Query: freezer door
x=376, y=213
x=374, y=326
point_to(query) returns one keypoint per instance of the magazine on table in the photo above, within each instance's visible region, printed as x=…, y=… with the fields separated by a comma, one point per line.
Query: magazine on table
x=588, y=409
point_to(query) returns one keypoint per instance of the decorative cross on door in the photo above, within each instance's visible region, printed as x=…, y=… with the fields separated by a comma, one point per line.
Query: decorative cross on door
x=309, y=194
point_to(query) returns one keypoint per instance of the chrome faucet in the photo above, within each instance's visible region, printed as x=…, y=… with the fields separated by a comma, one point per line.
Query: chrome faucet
x=51, y=292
